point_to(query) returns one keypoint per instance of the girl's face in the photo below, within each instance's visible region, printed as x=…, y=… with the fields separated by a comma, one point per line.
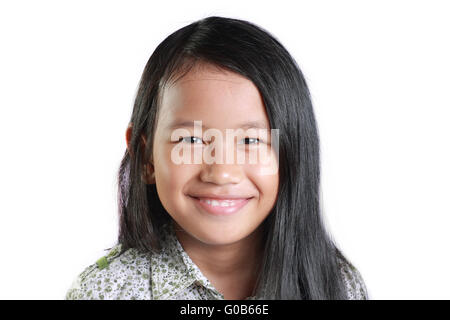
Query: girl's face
x=220, y=100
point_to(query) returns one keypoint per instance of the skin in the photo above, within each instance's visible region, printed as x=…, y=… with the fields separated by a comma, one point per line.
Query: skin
x=227, y=249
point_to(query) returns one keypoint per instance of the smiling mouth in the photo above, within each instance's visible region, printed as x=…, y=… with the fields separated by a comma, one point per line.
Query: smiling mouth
x=217, y=206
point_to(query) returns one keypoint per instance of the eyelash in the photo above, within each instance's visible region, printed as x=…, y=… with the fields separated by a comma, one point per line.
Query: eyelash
x=247, y=138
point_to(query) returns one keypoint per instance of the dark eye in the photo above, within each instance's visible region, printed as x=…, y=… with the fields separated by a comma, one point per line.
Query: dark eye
x=192, y=140
x=251, y=141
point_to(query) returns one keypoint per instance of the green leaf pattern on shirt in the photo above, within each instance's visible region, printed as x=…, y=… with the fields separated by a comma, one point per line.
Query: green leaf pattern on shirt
x=169, y=274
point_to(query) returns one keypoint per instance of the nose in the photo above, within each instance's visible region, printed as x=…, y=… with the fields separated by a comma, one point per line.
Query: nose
x=217, y=167
x=222, y=173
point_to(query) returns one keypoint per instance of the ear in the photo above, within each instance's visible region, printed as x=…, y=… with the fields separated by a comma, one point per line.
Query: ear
x=148, y=174
x=128, y=133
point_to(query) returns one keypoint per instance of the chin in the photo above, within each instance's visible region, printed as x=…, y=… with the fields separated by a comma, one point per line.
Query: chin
x=217, y=232
x=222, y=237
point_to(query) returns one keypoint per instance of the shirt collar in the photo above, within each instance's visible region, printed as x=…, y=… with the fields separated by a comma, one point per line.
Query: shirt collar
x=173, y=271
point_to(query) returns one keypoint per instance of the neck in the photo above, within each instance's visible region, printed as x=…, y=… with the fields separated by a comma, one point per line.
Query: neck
x=232, y=268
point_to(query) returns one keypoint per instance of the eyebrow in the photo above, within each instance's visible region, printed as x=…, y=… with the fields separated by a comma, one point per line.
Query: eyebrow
x=244, y=125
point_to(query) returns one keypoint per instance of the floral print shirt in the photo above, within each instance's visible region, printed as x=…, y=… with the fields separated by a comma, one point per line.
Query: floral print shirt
x=167, y=275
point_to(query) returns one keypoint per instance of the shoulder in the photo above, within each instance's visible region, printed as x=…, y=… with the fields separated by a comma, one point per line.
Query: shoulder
x=117, y=275
x=354, y=283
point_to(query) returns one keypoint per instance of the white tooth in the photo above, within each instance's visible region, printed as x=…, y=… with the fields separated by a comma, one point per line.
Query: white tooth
x=224, y=203
x=214, y=203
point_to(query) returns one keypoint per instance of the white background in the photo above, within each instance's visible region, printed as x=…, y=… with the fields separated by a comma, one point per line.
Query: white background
x=378, y=72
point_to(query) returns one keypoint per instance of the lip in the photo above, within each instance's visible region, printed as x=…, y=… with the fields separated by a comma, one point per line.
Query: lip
x=219, y=196
x=240, y=202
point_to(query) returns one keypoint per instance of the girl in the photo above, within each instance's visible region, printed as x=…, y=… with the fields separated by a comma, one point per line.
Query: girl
x=214, y=230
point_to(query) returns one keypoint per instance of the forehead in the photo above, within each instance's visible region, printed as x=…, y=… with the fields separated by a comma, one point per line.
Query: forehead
x=218, y=97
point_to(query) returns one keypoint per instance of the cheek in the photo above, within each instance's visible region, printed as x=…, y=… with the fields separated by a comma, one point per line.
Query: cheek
x=263, y=160
x=264, y=175
x=170, y=178
x=267, y=185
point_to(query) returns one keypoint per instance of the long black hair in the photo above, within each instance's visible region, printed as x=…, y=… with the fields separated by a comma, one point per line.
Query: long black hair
x=300, y=259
